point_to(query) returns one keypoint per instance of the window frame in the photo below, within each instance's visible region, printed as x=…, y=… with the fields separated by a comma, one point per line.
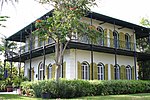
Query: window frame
x=128, y=74
x=117, y=72
x=100, y=71
x=85, y=70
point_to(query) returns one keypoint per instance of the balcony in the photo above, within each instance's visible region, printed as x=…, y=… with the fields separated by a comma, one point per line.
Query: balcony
x=106, y=42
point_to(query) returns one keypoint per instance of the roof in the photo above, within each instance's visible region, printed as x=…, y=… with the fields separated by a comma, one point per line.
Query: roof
x=139, y=30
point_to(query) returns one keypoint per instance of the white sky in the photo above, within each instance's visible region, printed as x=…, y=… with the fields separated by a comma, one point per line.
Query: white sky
x=26, y=11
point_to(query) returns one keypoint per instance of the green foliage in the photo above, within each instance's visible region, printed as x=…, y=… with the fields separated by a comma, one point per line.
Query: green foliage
x=77, y=88
x=2, y=86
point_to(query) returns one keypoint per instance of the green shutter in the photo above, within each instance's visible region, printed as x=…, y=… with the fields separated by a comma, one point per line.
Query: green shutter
x=122, y=40
x=133, y=73
x=33, y=42
x=79, y=70
x=112, y=72
x=111, y=38
x=32, y=74
x=106, y=72
x=53, y=71
x=132, y=42
x=64, y=70
x=47, y=71
x=125, y=76
x=123, y=72
x=105, y=37
x=91, y=71
x=95, y=71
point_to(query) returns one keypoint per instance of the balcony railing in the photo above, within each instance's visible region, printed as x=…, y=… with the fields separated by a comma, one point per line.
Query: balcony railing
x=109, y=42
x=106, y=42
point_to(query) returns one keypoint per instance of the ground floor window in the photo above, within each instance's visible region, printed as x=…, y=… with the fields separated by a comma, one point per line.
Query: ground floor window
x=128, y=72
x=117, y=72
x=100, y=68
x=49, y=71
x=41, y=71
x=85, y=71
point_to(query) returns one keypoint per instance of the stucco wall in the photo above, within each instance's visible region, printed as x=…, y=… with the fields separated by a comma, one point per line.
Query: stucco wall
x=72, y=56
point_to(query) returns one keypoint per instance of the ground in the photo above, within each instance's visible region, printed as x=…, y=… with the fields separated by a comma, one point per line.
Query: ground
x=141, y=96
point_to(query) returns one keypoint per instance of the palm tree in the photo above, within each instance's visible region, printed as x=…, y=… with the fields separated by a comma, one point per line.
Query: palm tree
x=6, y=1
x=6, y=48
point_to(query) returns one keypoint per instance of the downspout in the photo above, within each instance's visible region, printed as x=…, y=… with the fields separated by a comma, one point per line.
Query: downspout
x=134, y=55
x=44, y=61
x=20, y=54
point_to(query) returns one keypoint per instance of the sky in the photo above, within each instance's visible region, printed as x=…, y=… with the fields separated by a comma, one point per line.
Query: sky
x=26, y=11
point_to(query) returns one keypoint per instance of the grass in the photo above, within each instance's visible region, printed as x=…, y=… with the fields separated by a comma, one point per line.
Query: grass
x=16, y=97
x=141, y=96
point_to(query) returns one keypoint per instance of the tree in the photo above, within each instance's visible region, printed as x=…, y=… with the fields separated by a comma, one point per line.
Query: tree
x=64, y=24
x=6, y=1
x=143, y=46
x=6, y=48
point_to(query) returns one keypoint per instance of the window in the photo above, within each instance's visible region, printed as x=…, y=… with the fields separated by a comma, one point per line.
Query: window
x=41, y=71
x=117, y=72
x=116, y=39
x=101, y=38
x=127, y=41
x=100, y=68
x=128, y=72
x=85, y=71
x=49, y=71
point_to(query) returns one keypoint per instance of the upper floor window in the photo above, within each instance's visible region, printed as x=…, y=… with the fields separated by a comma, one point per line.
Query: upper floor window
x=41, y=71
x=101, y=38
x=100, y=68
x=85, y=71
x=116, y=39
x=128, y=72
x=117, y=72
x=127, y=41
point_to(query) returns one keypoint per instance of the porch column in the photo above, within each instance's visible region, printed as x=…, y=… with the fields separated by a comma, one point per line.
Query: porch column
x=135, y=55
x=30, y=52
x=44, y=60
x=115, y=47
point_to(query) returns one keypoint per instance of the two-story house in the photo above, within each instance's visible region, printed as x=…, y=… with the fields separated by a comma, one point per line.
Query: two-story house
x=114, y=56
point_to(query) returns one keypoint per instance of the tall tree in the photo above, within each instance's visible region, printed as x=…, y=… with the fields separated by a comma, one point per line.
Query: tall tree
x=6, y=48
x=143, y=45
x=65, y=25
x=7, y=1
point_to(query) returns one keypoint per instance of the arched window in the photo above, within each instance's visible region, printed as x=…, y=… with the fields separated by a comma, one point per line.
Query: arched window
x=127, y=41
x=117, y=72
x=85, y=71
x=41, y=71
x=100, y=68
x=49, y=71
x=128, y=72
x=101, y=38
x=116, y=39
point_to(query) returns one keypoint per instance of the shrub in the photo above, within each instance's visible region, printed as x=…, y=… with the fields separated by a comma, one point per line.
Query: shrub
x=77, y=88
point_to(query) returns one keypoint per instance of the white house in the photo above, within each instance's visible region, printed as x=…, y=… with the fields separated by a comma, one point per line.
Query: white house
x=114, y=56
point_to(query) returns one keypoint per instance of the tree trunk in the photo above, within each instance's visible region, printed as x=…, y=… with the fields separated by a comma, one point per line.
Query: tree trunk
x=58, y=72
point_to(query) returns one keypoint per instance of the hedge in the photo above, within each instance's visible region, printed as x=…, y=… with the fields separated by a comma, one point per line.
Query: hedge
x=77, y=88
x=2, y=86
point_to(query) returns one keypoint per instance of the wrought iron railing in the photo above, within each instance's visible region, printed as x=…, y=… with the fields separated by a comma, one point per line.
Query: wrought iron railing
x=106, y=42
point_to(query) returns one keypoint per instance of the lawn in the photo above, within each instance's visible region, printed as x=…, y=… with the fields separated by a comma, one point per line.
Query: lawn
x=142, y=96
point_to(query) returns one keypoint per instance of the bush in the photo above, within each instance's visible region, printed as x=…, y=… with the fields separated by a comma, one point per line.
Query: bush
x=77, y=88
x=2, y=86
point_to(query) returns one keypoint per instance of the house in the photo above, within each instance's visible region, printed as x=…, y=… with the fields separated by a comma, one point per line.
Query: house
x=113, y=57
